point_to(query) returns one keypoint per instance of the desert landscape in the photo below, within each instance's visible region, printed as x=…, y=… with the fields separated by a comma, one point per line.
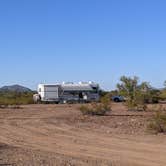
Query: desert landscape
x=61, y=135
x=82, y=83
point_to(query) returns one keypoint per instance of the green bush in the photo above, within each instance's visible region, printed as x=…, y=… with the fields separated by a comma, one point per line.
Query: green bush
x=15, y=98
x=163, y=94
x=99, y=109
x=158, y=108
x=158, y=122
x=94, y=110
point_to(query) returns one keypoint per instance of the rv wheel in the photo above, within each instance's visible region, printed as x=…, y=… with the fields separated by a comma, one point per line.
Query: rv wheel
x=116, y=100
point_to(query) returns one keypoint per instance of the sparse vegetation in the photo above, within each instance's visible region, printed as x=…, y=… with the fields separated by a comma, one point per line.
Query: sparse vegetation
x=103, y=93
x=137, y=95
x=158, y=122
x=73, y=131
x=163, y=95
x=114, y=93
x=15, y=98
x=97, y=108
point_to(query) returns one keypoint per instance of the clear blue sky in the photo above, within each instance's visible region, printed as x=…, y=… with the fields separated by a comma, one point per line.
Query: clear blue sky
x=47, y=41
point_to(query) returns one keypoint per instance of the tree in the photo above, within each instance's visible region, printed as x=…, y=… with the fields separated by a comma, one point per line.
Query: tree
x=134, y=92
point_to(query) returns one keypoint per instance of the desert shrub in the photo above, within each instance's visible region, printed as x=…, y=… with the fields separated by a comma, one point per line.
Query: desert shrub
x=99, y=109
x=105, y=101
x=95, y=109
x=114, y=93
x=103, y=93
x=136, y=94
x=163, y=94
x=158, y=123
x=157, y=108
x=15, y=98
x=152, y=96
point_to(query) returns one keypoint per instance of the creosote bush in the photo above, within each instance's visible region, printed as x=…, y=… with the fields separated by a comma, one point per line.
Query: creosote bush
x=163, y=94
x=158, y=123
x=8, y=99
x=99, y=109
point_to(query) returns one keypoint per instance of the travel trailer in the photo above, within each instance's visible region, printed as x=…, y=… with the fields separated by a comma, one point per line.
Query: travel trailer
x=67, y=92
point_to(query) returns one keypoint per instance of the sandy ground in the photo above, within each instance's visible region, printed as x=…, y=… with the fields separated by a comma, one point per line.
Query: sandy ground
x=60, y=135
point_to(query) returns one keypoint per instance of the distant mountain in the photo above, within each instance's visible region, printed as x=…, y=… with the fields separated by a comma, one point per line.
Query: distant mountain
x=15, y=88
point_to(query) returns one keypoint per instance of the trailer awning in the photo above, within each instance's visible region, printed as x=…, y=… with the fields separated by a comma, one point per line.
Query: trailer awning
x=76, y=88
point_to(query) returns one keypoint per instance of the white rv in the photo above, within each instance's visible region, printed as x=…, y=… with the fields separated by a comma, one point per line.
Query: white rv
x=68, y=92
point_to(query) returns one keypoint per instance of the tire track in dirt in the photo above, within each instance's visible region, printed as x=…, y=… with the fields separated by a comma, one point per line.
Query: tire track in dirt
x=46, y=128
x=80, y=143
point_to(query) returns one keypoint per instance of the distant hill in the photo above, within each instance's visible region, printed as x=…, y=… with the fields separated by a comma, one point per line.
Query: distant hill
x=15, y=88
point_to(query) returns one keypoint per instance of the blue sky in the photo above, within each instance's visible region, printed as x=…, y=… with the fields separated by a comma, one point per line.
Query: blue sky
x=47, y=41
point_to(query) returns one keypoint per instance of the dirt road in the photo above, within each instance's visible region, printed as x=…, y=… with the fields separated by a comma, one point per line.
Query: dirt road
x=60, y=135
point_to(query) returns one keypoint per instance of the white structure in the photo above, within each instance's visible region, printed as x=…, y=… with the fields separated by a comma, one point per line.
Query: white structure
x=68, y=92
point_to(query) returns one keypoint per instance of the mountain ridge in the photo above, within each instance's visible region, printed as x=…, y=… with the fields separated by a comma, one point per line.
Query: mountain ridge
x=15, y=88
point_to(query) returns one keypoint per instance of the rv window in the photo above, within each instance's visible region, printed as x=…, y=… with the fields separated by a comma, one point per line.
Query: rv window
x=95, y=89
x=39, y=89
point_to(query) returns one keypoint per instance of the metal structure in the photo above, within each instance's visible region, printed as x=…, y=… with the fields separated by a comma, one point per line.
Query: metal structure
x=67, y=92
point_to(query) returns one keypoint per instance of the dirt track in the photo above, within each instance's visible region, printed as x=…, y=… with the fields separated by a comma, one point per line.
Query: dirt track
x=60, y=135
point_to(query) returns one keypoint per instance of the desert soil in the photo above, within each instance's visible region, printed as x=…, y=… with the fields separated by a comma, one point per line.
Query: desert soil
x=60, y=135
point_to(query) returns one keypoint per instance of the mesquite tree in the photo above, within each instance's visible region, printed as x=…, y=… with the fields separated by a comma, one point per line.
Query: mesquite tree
x=134, y=92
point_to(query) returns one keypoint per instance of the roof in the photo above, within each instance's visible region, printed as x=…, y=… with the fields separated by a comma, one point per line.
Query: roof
x=73, y=86
x=76, y=87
